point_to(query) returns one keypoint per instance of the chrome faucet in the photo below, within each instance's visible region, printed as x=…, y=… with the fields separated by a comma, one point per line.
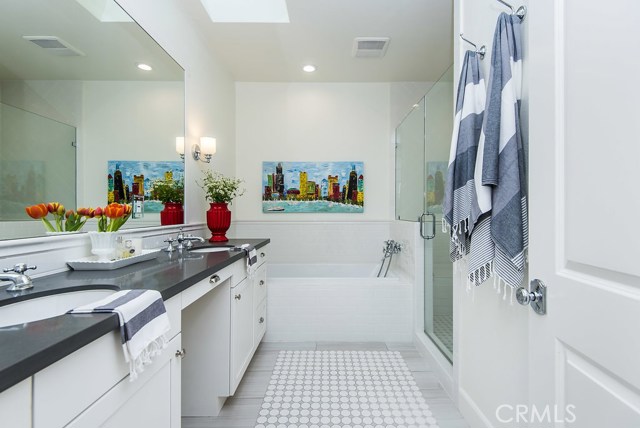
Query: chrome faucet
x=17, y=277
x=186, y=242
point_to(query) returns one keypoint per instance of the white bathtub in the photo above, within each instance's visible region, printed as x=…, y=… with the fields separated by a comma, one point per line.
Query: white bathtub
x=337, y=302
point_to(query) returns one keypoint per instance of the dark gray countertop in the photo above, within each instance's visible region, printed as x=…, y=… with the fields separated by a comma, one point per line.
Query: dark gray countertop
x=28, y=348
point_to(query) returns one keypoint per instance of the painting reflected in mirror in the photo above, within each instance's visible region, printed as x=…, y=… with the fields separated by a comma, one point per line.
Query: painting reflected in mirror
x=73, y=101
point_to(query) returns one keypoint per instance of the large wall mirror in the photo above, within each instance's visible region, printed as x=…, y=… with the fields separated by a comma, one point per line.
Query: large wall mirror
x=77, y=112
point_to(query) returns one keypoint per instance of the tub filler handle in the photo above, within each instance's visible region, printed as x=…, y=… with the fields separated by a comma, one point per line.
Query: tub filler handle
x=238, y=296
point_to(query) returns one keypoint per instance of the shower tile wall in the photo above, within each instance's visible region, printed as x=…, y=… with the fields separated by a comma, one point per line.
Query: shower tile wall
x=442, y=275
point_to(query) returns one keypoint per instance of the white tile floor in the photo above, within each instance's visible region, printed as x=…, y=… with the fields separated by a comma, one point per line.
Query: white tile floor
x=242, y=410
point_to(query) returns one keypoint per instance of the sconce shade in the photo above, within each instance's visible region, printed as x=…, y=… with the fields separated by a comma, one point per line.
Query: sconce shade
x=208, y=145
x=180, y=145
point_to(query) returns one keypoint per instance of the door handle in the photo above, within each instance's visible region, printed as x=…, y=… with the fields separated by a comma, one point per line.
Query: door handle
x=536, y=296
x=433, y=226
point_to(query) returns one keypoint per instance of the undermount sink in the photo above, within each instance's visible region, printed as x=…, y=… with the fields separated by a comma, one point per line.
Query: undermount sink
x=40, y=308
x=211, y=249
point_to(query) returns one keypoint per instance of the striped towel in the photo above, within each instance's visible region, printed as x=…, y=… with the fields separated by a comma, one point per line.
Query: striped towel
x=143, y=324
x=252, y=258
x=459, y=199
x=500, y=238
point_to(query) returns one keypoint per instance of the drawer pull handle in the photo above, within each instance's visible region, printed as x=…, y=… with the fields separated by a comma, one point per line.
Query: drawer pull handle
x=214, y=279
x=262, y=254
x=181, y=353
x=261, y=320
x=238, y=296
x=261, y=282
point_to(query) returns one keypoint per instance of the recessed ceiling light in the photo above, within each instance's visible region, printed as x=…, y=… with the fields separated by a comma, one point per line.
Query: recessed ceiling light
x=144, y=67
x=309, y=68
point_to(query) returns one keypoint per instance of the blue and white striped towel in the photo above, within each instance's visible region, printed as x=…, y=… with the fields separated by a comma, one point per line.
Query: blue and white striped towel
x=143, y=324
x=252, y=258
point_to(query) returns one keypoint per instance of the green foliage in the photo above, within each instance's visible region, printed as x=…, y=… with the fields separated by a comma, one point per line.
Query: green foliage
x=168, y=191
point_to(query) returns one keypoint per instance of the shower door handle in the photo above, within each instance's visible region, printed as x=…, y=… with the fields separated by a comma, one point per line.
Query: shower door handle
x=433, y=228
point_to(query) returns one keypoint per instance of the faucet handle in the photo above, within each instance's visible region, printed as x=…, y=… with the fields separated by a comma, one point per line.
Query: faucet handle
x=20, y=268
x=169, y=248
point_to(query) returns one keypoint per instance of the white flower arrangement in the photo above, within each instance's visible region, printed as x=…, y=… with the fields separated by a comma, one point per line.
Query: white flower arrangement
x=219, y=188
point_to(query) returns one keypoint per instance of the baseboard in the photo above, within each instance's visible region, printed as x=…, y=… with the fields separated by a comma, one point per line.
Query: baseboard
x=441, y=366
x=471, y=411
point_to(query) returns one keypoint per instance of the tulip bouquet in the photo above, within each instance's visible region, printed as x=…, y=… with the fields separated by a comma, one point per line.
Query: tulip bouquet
x=112, y=217
x=64, y=221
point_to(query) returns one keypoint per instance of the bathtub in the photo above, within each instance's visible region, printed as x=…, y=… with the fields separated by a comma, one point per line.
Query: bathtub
x=337, y=302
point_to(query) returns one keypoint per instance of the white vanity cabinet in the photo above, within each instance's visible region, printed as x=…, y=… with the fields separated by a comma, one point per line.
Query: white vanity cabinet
x=91, y=387
x=221, y=332
x=15, y=405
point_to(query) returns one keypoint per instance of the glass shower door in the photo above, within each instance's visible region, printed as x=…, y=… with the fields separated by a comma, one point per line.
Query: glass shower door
x=438, y=272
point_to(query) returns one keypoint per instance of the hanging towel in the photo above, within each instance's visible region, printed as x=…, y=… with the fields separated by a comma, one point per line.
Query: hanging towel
x=459, y=198
x=500, y=238
x=252, y=258
x=143, y=324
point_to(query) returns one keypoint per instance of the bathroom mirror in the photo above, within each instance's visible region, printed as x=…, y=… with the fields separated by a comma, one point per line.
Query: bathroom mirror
x=73, y=102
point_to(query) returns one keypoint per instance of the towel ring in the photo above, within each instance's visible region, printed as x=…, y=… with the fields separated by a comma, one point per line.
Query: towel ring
x=481, y=52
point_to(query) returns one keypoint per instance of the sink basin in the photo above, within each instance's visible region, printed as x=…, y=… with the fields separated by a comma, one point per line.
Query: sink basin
x=211, y=249
x=40, y=308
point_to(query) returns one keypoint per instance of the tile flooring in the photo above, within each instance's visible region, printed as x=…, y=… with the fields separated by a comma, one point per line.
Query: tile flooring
x=242, y=410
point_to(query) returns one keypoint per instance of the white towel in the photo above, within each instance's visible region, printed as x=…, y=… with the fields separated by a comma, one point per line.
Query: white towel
x=252, y=258
x=143, y=324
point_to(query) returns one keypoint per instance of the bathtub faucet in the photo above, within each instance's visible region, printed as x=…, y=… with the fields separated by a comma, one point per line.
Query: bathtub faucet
x=390, y=248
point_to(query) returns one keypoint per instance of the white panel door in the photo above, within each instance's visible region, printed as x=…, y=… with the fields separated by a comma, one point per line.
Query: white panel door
x=584, y=206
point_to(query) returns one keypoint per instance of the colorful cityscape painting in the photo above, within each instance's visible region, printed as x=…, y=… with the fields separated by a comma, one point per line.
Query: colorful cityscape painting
x=313, y=187
x=128, y=178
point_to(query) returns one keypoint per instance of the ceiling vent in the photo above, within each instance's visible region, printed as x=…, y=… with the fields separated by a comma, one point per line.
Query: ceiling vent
x=54, y=45
x=370, y=47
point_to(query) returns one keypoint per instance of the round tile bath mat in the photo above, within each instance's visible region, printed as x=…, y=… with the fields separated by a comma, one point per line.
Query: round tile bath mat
x=343, y=389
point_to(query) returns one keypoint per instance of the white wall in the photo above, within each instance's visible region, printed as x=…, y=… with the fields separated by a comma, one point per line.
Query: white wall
x=120, y=122
x=313, y=122
x=209, y=91
x=491, y=349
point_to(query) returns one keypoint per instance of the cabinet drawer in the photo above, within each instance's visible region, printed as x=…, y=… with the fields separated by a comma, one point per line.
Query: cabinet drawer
x=260, y=323
x=201, y=288
x=260, y=287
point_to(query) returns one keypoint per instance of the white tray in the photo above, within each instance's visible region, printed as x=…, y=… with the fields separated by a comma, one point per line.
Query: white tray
x=91, y=263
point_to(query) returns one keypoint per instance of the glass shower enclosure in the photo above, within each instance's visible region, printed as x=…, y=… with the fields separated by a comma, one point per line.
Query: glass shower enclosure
x=423, y=140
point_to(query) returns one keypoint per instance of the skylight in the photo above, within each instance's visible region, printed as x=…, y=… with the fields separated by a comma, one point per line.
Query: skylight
x=246, y=11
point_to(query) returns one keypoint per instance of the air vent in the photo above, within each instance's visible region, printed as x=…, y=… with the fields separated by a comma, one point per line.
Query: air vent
x=370, y=47
x=54, y=45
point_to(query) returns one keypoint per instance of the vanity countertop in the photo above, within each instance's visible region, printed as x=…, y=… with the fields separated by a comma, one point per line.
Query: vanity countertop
x=28, y=348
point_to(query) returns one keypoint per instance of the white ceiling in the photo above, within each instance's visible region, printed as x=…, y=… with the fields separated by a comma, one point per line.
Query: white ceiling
x=321, y=32
x=111, y=49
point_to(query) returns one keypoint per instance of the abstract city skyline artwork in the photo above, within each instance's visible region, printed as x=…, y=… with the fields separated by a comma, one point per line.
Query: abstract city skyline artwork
x=313, y=187
x=126, y=178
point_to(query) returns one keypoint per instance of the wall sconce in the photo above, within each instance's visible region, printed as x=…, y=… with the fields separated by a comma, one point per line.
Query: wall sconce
x=180, y=146
x=208, y=149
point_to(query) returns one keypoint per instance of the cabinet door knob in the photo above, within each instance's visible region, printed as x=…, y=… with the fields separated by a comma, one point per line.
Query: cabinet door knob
x=214, y=279
x=181, y=353
x=261, y=320
x=238, y=296
x=262, y=254
x=261, y=282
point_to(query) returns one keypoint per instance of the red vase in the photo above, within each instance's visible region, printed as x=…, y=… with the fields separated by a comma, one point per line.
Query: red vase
x=218, y=221
x=172, y=213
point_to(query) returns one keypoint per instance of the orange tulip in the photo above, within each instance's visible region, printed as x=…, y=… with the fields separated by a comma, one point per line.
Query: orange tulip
x=37, y=211
x=53, y=207
x=127, y=209
x=97, y=212
x=114, y=210
x=69, y=213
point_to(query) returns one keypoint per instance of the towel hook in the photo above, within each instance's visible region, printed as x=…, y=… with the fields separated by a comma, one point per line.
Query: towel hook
x=520, y=13
x=481, y=52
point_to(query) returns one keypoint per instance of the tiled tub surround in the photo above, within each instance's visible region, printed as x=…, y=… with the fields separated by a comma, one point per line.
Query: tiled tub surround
x=344, y=302
x=30, y=347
